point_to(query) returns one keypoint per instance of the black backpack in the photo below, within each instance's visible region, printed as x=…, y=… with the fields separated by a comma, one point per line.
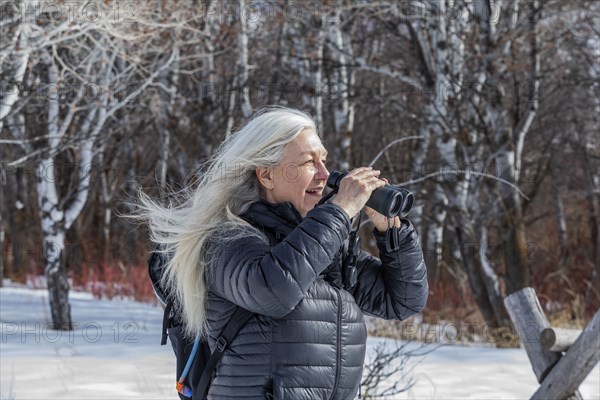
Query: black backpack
x=195, y=363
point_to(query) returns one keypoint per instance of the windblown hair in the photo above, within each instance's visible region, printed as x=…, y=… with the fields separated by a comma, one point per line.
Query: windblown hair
x=226, y=187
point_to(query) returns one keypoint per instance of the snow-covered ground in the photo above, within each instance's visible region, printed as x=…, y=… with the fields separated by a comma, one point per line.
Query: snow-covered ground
x=114, y=353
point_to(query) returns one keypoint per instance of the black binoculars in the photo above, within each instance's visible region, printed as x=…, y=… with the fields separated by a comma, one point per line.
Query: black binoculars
x=389, y=200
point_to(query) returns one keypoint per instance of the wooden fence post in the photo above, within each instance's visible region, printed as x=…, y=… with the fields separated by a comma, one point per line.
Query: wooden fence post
x=529, y=320
x=559, y=339
x=574, y=366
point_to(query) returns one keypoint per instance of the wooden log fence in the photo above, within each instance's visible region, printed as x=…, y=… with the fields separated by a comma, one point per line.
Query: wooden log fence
x=559, y=375
x=559, y=339
x=574, y=366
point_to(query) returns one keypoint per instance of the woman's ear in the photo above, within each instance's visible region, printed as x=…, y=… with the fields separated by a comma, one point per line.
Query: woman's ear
x=265, y=177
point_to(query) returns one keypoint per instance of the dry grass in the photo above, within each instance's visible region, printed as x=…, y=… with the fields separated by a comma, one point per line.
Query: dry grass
x=119, y=280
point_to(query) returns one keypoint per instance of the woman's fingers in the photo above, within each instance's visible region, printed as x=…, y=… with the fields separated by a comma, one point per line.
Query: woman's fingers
x=356, y=188
x=363, y=173
x=359, y=170
x=366, y=178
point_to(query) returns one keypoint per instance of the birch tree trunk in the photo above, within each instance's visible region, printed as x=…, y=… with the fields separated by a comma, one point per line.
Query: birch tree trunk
x=593, y=191
x=430, y=89
x=168, y=124
x=515, y=247
x=108, y=185
x=281, y=61
x=319, y=84
x=52, y=217
x=208, y=85
x=300, y=62
x=19, y=215
x=55, y=220
x=491, y=280
x=344, y=106
x=58, y=214
x=469, y=255
x=442, y=51
x=240, y=80
x=22, y=51
x=434, y=237
x=244, y=67
x=1, y=228
x=561, y=222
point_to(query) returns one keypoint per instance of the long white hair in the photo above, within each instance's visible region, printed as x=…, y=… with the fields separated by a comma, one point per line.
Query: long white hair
x=227, y=186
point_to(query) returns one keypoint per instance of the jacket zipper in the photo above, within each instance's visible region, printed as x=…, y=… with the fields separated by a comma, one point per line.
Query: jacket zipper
x=339, y=344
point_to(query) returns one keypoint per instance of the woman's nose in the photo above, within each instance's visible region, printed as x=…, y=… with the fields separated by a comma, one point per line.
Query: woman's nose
x=322, y=172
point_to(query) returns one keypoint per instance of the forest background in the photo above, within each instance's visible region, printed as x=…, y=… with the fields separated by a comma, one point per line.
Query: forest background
x=488, y=110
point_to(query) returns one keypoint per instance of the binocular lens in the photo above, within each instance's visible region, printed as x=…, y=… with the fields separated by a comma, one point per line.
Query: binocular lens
x=396, y=205
x=400, y=203
x=408, y=200
x=388, y=200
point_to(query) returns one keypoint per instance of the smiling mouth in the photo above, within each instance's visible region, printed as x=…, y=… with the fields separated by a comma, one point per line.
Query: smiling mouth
x=315, y=192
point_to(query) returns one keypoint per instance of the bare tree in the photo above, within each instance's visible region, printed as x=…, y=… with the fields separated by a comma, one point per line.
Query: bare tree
x=468, y=129
x=477, y=106
x=389, y=370
x=87, y=57
x=15, y=53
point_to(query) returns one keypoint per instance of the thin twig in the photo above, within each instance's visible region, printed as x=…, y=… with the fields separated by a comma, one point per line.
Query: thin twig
x=434, y=174
x=374, y=160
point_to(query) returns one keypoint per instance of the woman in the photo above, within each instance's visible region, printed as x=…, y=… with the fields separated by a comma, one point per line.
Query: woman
x=251, y=235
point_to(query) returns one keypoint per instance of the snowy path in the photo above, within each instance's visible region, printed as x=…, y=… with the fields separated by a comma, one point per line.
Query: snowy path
x=114, y=353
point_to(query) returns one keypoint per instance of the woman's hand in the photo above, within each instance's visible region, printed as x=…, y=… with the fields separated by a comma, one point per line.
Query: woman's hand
x=381, y=221
x=356, y=188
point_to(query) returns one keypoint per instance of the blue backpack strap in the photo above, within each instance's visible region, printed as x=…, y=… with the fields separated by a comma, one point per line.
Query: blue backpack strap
x=180, y=384
x=235, y=323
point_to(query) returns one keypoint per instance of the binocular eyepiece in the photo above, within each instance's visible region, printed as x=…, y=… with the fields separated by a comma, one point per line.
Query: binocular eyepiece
x=389, y=200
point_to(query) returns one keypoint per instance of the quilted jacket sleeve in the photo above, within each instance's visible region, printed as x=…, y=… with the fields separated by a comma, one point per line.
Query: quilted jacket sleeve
x=395, y=285
x=272, y=281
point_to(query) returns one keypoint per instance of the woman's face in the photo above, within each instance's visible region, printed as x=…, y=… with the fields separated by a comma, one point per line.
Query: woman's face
x=300, y=177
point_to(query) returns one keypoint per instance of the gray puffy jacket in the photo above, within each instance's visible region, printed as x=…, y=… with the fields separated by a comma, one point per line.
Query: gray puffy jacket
x=308, y=337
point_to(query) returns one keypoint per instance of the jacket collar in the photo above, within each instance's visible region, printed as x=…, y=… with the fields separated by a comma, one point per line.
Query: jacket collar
x=280, y=217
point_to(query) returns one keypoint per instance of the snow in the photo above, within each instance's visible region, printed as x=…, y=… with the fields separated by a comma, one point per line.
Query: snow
x=114, y=353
